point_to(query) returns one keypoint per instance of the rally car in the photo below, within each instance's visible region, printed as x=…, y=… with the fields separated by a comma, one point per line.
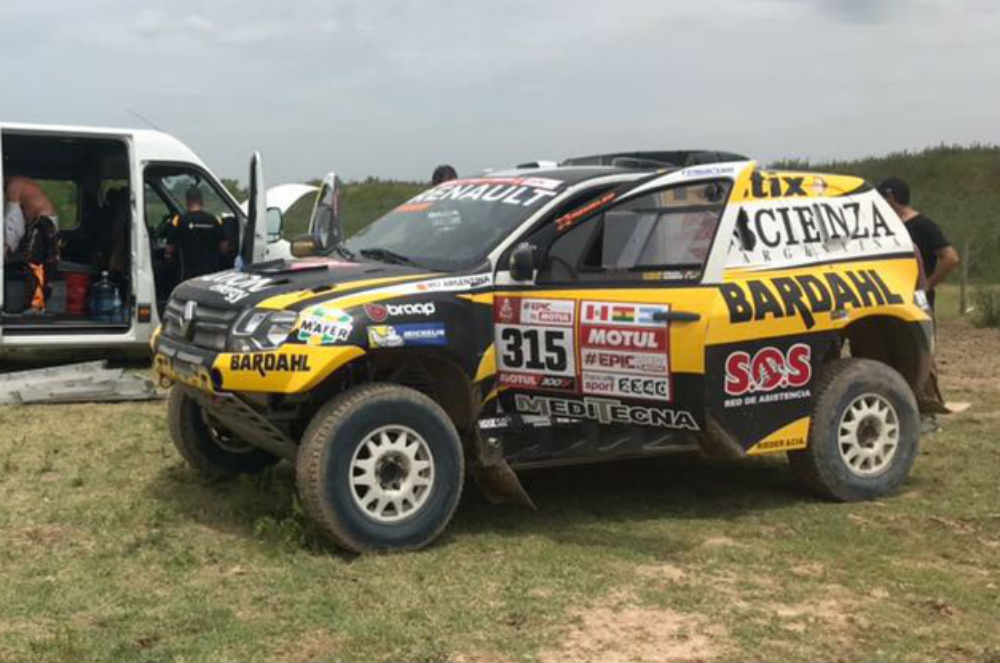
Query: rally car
x=555, y=315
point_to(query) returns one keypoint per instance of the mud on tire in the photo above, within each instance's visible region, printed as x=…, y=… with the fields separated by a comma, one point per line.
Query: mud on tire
x=381, y=467
x=864, y=433
x=209, y=449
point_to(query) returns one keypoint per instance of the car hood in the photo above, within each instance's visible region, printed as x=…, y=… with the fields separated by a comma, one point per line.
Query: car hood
x=234, y=289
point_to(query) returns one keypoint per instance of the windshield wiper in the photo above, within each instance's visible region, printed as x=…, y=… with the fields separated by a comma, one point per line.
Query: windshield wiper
x=343, y=251
x=386, y=255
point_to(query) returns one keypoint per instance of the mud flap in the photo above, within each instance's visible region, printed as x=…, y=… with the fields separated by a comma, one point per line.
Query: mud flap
x=493, y=475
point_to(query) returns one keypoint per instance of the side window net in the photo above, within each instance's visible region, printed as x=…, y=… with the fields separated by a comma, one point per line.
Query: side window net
x=665, y=235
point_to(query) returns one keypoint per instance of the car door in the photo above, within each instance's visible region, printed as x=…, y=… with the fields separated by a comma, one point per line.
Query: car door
x=611, y=326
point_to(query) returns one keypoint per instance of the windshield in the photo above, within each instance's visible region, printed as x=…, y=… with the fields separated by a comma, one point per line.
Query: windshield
x=457, y=223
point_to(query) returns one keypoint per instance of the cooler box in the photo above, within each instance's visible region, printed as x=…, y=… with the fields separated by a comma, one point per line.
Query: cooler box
x=77, y=287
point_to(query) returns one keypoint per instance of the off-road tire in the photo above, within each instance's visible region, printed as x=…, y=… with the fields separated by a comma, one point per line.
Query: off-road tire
x=197, y=445
x=821, y=466
x=332, y=440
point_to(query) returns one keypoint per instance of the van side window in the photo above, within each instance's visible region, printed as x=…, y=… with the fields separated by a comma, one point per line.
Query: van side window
x=662, y=235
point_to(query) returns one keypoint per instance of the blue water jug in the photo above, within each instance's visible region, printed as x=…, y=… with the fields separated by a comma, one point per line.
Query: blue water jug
x=102, y=300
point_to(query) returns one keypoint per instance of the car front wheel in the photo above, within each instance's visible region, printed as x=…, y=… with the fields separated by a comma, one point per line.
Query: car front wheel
x=381, y=467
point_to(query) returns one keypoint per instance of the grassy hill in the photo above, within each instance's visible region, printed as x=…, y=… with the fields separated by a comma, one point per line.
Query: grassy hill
x=363, y=202
x=959, y=187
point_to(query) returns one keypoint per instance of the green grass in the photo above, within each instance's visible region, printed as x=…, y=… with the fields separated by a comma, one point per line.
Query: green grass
x=114, y=549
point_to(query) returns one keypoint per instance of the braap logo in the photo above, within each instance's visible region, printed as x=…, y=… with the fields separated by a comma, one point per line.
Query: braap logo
x=380, y=312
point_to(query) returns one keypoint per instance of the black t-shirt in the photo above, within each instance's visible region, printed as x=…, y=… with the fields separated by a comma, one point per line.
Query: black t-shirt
x=197, y=236
x=929, y=239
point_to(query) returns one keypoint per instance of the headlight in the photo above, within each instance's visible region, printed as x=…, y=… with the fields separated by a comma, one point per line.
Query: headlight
x=261, y=330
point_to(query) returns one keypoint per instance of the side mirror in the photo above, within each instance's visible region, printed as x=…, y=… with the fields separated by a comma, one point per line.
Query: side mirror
x=274, y=223
x=522, y=262
x=304, y=246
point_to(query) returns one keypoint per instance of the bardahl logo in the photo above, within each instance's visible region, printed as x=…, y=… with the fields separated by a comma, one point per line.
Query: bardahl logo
x=270, y=362
x=806, y=295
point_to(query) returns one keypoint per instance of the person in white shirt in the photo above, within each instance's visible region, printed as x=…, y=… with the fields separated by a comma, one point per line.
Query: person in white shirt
x=13, y=225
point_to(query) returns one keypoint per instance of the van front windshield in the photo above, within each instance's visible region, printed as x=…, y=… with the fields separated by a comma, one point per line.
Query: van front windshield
x=455, y=224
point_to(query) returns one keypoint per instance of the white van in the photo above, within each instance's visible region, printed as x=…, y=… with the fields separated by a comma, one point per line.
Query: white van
x=114, y=191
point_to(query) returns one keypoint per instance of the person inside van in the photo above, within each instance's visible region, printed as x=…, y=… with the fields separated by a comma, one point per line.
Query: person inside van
x=32, y=235
x=196, y=239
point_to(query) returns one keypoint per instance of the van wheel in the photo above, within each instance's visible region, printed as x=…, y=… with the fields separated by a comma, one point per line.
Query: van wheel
x=381, y=467
x=864, y=433
x=208, y=447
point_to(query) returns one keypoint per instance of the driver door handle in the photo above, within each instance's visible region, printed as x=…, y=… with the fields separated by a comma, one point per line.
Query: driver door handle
x=676, y=316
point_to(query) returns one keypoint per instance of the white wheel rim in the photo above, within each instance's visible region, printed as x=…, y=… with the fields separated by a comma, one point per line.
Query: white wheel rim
x=391, y=474
x=868, y=435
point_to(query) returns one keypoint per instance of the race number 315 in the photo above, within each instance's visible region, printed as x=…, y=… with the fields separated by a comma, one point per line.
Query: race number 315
x=536, y=349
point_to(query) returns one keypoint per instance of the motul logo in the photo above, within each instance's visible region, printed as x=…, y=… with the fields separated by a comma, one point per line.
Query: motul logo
x=624, y=338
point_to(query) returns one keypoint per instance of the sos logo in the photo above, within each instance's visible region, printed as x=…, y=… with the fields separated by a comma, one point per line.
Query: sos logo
x=768, y=369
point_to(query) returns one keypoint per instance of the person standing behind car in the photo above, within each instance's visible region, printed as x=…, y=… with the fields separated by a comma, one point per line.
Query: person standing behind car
x=938, y=255
x=443, y=173
x=197, y=239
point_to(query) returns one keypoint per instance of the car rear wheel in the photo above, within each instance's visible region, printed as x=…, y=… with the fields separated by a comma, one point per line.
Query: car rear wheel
x=864, y=433
x=381, y=467
x=206, y=445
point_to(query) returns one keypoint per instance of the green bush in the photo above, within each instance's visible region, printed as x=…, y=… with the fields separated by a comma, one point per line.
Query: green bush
x=986, y=300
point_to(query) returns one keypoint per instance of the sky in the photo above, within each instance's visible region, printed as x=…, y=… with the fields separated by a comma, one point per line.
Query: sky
x=393, y=88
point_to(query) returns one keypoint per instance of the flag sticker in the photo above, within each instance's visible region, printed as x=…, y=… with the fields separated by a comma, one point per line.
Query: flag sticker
x=623, y=314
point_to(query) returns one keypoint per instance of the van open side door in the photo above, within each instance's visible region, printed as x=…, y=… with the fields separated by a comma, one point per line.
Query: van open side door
x=254, y=243
x=325, y=221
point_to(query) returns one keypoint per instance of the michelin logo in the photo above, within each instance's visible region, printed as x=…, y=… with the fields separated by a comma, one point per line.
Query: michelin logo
x=414, y=334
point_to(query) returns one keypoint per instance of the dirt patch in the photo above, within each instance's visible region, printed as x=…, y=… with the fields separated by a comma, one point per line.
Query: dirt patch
x=664, y=571
x=319, y=644
x=619, y=630
x=839, y=614
x=722, y=542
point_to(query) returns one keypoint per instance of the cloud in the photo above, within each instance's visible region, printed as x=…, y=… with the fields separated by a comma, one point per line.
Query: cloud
x=150, y=22
x=393, y=88
x=199, y=23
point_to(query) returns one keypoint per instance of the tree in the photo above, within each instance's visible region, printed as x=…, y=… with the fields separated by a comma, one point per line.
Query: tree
x=233, y=186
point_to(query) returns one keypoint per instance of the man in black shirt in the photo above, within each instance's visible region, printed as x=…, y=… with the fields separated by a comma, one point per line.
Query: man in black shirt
x=198, y=237
x=938, y=255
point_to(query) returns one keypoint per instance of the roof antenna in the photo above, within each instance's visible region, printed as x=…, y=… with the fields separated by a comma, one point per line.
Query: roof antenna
x=143, y=118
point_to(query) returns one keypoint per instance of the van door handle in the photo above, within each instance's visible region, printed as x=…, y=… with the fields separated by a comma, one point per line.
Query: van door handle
x=676, y=316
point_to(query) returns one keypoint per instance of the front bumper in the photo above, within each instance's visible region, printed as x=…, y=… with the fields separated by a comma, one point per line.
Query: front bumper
x=288, y=369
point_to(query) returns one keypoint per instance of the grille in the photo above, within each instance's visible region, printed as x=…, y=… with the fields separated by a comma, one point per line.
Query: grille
x=209, y=326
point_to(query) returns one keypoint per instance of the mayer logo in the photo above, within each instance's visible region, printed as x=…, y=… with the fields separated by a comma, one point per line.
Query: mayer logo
x=325, y=326
x=265, y=363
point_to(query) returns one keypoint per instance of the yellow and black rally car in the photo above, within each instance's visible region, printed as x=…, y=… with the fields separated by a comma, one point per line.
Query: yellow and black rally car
x=614, y=307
